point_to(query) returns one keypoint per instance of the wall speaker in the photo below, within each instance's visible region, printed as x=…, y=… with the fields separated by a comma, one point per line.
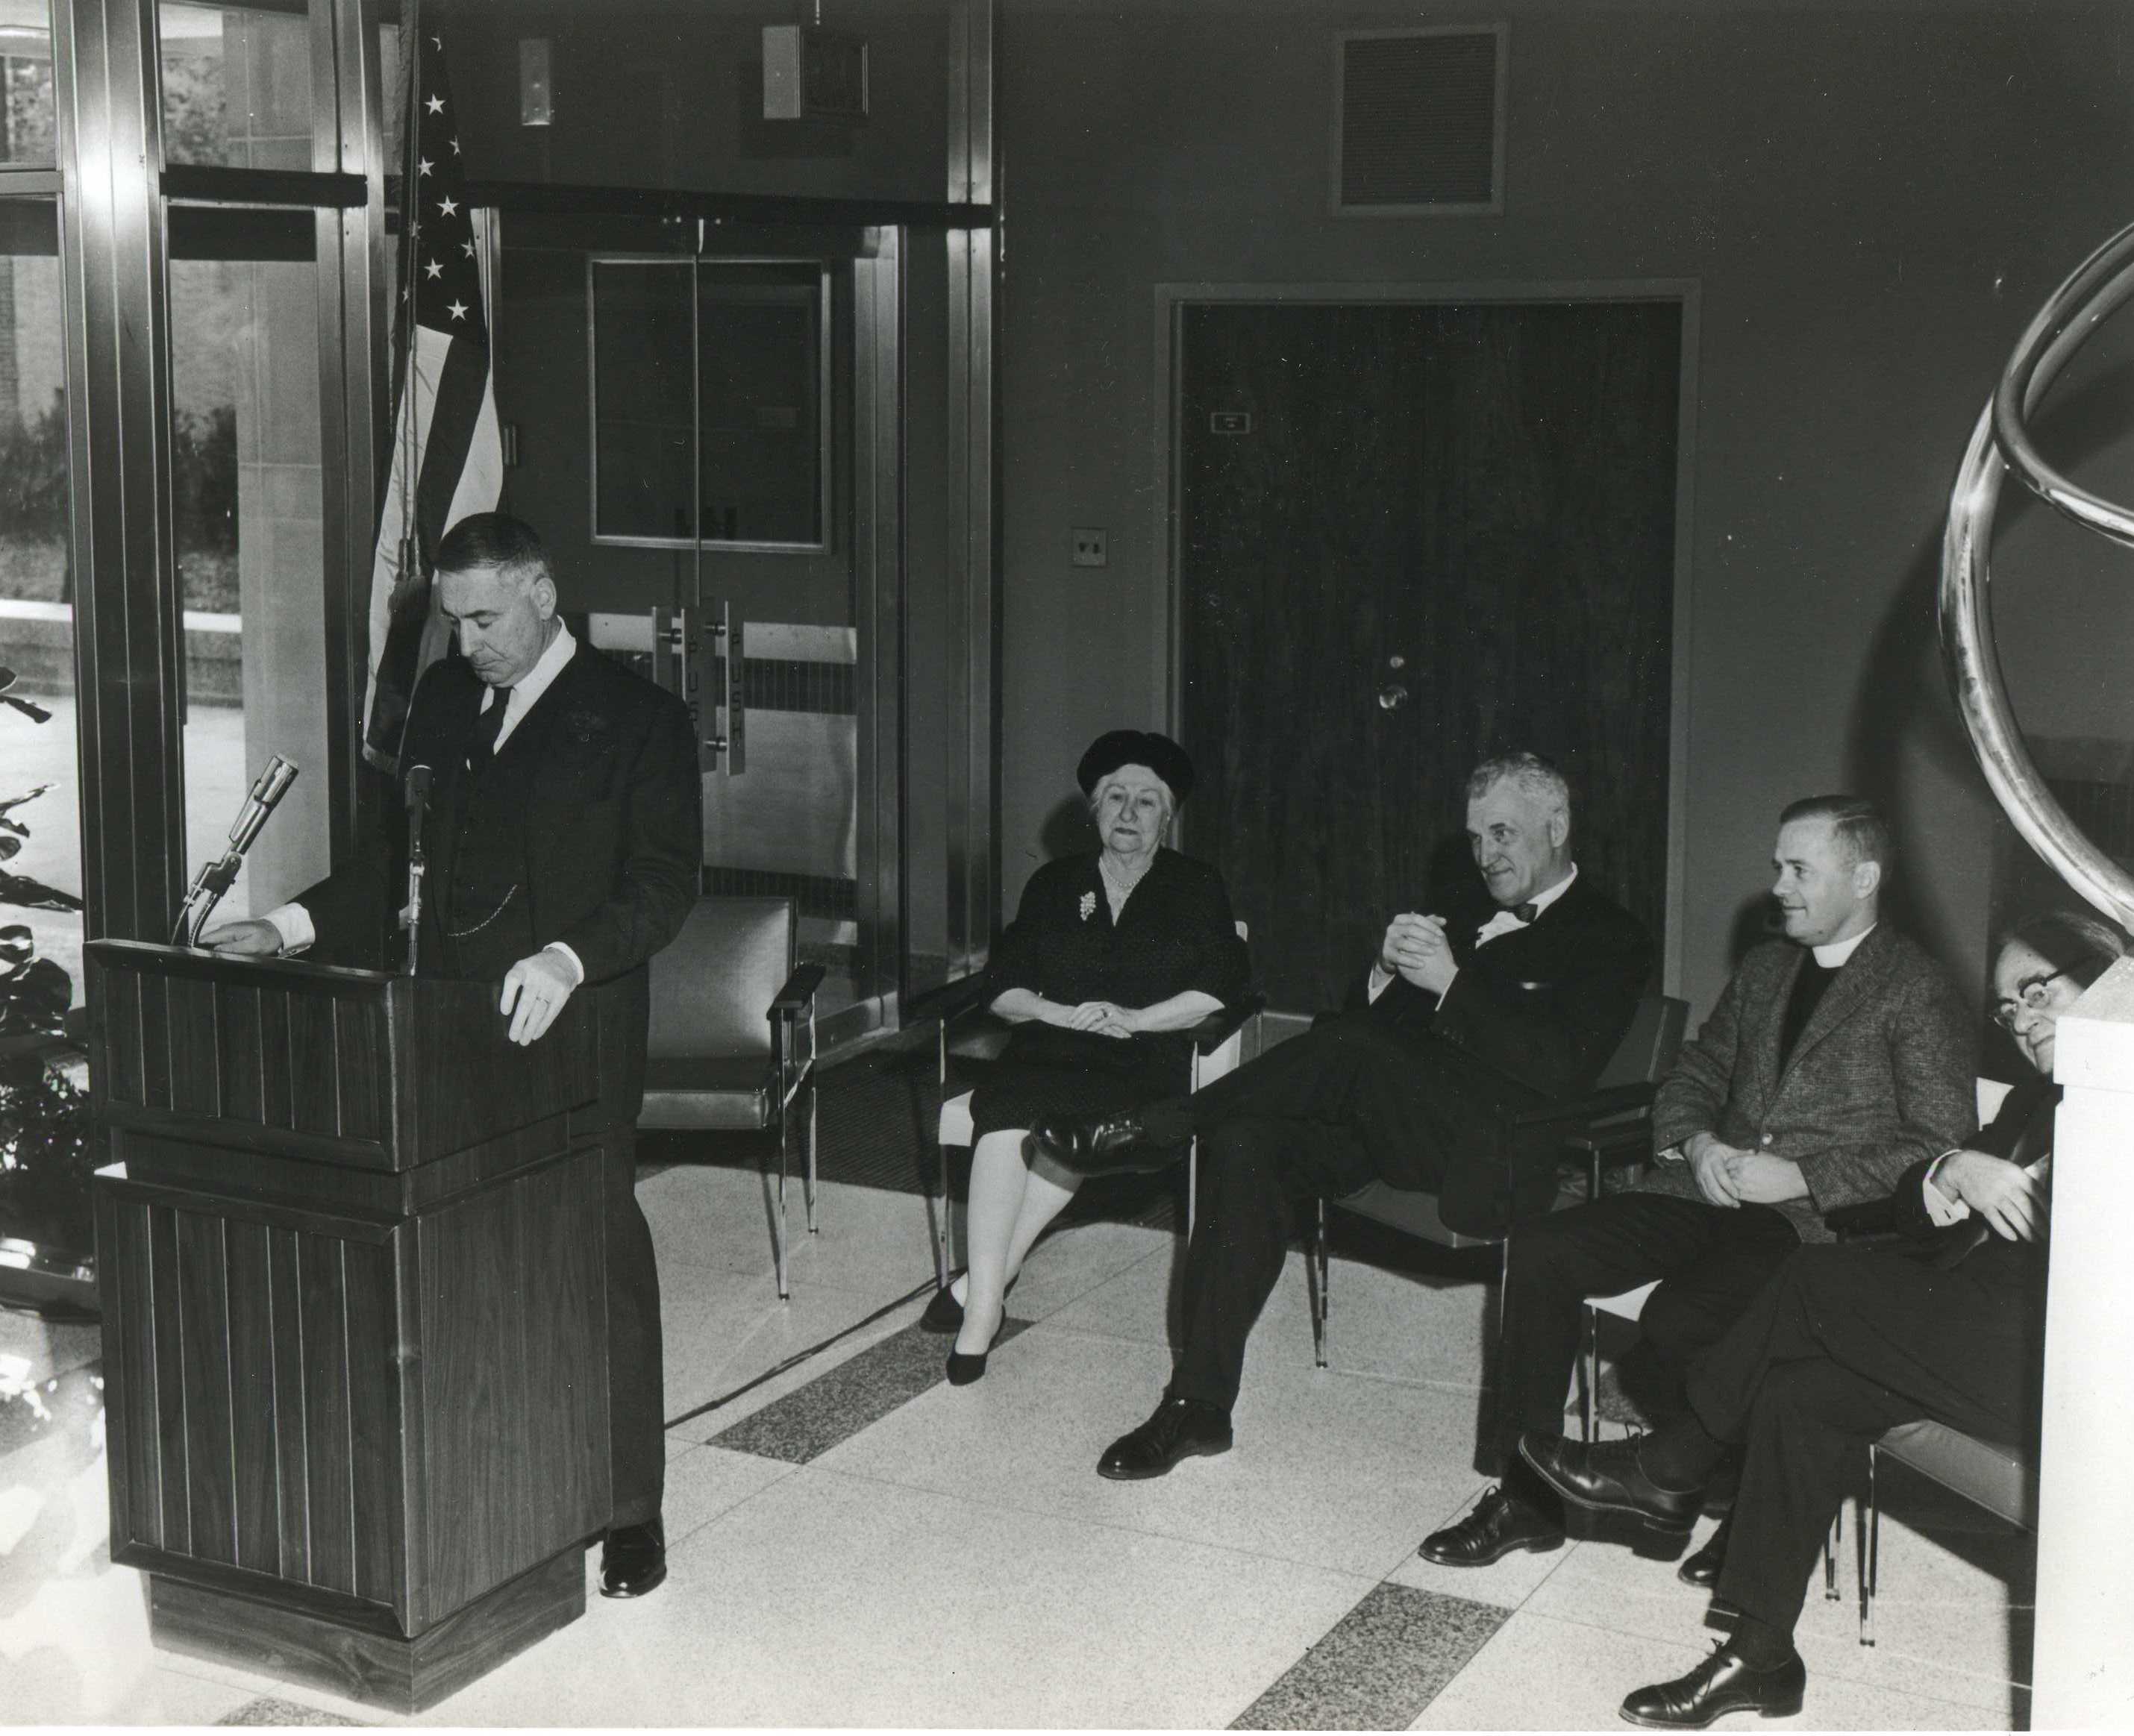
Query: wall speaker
x=814, y=73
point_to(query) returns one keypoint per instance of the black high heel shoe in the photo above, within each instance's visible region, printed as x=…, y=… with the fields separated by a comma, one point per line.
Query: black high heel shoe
x=963, y=1368
x=945, y=1314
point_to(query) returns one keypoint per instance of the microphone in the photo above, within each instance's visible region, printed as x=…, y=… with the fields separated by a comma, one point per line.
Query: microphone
x=215, y=878
x=417, y=796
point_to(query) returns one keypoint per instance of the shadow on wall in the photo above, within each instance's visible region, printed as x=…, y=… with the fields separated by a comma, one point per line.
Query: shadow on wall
x=1068, y=830
x=1903, y=712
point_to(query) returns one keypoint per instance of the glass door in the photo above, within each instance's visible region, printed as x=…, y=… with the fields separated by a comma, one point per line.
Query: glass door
x=722, y=519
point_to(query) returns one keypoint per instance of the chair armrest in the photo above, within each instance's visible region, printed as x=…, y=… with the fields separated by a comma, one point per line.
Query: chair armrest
x=949, y=1002
x=1609, y=1100
x=1211, y=1033
x=1865, y=1219
x=798, y=991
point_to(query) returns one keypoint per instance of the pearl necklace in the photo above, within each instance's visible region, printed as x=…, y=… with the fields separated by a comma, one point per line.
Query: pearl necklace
x=1118, y=888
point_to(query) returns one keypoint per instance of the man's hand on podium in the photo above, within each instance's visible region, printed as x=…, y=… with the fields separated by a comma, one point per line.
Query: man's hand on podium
x=253, y=938
x=534, y=991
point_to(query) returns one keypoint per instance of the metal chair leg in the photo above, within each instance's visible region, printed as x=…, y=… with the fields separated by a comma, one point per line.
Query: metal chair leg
x=1317, y=1267
x=814, y=1228
x=778, y=1215
x=1589, y=1417
x=1871, y=1551
x=1192, y=1181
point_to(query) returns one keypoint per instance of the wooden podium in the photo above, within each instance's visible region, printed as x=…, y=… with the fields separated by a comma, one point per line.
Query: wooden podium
x=354, y=1319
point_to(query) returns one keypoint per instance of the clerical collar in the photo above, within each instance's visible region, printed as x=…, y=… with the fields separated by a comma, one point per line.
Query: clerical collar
x=1833, y=953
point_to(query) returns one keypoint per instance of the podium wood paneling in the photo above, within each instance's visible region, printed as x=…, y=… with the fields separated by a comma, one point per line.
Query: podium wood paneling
x=354, y=1315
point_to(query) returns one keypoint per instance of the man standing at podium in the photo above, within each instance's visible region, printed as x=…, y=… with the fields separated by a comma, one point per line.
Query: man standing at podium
x=565, y=835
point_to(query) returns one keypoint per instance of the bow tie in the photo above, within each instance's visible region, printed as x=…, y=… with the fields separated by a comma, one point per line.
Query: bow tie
x=1526, y=912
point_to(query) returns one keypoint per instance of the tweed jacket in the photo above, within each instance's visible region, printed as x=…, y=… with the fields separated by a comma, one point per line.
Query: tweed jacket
x=1880, y=1078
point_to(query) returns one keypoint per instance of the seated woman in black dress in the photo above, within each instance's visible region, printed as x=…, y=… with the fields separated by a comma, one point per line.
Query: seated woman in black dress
x=1845, y=1342
x=1110, y=958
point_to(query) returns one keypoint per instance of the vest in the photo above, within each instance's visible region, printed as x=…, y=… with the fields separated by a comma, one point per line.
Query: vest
x=487, y=910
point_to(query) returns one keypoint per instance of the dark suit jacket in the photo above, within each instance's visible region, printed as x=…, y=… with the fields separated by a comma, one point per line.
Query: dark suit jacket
x=613, y=826
x=1880, y=1077
x=1543, y=1006
x=2021, y=1131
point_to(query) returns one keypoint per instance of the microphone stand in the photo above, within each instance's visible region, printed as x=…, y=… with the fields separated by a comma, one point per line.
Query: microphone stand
x=418, y=864
x=215, y=878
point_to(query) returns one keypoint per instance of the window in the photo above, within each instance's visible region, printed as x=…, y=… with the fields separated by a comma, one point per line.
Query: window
x=710, y=402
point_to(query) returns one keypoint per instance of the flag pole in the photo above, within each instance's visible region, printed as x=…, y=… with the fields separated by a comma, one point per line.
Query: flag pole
x=411, y=553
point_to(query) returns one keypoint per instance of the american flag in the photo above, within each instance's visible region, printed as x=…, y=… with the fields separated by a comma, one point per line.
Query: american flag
x=448, y=454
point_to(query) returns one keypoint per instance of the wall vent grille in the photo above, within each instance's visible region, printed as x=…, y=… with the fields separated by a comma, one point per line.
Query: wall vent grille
x=1419, y=121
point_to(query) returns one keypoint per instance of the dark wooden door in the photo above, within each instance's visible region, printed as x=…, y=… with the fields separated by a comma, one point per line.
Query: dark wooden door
x=1483, y=492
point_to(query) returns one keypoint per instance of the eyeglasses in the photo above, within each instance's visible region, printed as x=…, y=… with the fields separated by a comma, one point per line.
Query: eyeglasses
x=2030, y=998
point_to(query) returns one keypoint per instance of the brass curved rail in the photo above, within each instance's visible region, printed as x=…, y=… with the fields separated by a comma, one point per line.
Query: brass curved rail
x=2000, y=442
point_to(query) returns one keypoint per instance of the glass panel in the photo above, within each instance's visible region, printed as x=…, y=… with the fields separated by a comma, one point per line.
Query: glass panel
x=25, y=77
x=760, y=359
x=237, y=84
x=40, y=786
x=245, y=457
x=393, y=99
x=641, y=409
x=45, y=1154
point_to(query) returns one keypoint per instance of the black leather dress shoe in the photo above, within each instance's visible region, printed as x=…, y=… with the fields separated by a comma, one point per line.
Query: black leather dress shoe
x=1499, y=1524
x=1607, y=1479
x=1181, y=1428
x=633, y=1560
x=1701, y=1568
x=1722, y=1683
x=1110, y=1145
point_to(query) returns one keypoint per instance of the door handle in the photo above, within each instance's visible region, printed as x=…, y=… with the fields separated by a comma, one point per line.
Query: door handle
x=725, y=748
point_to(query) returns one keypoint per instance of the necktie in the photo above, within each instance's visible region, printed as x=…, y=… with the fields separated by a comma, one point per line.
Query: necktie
x=1526, y=913
x=481, y=745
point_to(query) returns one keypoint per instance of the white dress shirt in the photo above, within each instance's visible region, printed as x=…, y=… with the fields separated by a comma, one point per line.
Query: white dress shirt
x=1502, y=922
x=293, y=922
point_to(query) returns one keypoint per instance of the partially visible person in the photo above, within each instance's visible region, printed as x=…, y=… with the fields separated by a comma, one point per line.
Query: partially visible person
x=1844, y=1343
x=1460, y=1021
x=1834, y=1058
x=1110, y=958
x=566, y=835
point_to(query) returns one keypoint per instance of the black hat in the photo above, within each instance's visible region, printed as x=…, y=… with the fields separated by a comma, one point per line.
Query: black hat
x=1115, y=748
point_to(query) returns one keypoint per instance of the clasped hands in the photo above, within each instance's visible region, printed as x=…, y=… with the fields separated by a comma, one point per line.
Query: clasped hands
x=1726, y=1175
x=1415, y=947
x=2006, y=1195
x=1105, y=1018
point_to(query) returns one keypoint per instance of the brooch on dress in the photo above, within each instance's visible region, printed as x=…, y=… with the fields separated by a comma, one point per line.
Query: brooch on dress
x=1089, y=905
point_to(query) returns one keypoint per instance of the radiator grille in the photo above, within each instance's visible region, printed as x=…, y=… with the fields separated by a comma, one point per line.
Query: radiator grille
x=1419, y=123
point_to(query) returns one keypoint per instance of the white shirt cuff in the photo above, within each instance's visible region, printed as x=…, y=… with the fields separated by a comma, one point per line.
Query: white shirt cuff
x=1381, y=981
x=1941, y=1209
x=293, y=923
x=577, y=965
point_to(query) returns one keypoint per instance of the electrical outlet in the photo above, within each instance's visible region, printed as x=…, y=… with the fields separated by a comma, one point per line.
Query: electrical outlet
x=1089, y=547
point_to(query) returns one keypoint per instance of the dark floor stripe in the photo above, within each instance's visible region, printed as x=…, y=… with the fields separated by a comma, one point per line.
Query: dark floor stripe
x=841, y=1401
x=267, y=1711
x=1379, y=1666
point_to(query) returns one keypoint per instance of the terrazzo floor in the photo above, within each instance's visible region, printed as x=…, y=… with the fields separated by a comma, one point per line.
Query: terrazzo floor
x=853, y=1542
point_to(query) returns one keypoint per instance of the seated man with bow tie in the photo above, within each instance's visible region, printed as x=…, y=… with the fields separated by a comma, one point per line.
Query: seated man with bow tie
x=1451, y=1030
